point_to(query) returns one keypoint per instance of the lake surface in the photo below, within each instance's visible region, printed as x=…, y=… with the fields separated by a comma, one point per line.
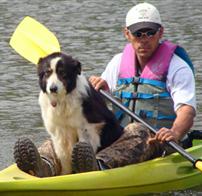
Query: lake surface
x=91, y=31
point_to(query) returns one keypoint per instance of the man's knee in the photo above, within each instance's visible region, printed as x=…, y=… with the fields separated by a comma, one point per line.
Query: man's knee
x=138, y=129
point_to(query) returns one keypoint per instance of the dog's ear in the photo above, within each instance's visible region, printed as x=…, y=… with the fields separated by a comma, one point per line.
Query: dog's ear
x=39, y=62
x=38, y=66
x=78, y=67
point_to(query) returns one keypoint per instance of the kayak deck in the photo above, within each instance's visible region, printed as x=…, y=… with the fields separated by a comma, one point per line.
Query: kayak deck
x=159, y=175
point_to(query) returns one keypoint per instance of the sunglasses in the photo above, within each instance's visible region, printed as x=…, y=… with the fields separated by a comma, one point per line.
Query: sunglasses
x=149, y=34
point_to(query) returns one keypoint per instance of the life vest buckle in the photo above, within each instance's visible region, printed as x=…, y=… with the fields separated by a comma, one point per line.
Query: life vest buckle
x=136, y=80
x=134, y=95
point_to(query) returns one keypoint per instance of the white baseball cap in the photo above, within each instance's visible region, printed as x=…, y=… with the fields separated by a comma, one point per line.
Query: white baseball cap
x=143, y=15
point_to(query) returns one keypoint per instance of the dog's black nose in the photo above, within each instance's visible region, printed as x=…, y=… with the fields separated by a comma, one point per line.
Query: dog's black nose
x=53, y=89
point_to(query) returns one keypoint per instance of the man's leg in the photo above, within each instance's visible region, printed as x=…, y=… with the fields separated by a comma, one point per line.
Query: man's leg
x=40, y=162
x=132, y=147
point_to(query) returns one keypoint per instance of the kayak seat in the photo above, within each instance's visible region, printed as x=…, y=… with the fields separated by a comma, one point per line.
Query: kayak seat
x=195, y=135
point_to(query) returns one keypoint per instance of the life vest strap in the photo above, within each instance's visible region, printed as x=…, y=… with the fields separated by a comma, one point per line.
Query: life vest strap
x=159, y=116
x=138, y=80
x=135, y=95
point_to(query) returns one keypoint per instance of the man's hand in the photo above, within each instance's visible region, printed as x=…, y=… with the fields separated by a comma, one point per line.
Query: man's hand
x=98, y=83
x=181, y=125
x=164, y=135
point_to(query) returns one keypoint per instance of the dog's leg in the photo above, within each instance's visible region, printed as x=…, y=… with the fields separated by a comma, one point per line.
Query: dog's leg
x=90, y=134
x=63, y=145
x=64, y=156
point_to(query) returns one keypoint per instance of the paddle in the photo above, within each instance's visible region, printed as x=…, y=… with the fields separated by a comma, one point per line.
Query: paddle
x=32, y=41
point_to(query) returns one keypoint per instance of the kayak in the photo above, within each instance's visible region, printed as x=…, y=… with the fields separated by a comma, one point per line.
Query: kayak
x=170, y=173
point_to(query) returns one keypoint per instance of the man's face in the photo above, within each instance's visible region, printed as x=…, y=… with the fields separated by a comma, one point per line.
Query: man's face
x=145, y=42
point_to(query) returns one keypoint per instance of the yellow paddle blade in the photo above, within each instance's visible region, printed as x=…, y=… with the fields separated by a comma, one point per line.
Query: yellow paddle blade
x=198, y=165
x=32, y=40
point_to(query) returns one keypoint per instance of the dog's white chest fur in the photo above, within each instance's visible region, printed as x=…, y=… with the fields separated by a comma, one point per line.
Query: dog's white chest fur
x=66, y=123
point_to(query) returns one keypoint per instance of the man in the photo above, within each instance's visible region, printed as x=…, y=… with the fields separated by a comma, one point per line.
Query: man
x=152, y=78
x=160, y=75
x=144, y=31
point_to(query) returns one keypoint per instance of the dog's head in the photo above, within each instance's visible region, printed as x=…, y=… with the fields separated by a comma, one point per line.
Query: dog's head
x=58, y=73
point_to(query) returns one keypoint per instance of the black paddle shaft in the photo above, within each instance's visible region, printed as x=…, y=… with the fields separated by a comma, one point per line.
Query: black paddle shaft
x=174, y=145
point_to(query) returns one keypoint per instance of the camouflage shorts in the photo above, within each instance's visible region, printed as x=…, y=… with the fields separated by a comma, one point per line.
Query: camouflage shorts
x=132, y=147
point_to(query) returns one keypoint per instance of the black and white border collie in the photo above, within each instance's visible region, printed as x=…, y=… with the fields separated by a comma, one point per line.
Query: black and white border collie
x=71, y=109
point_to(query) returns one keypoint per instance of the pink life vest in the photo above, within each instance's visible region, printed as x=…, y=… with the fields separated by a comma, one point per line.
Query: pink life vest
x=155, y=69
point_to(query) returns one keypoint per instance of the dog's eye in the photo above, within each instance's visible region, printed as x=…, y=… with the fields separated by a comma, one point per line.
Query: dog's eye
x=48, y=72
x=62, y=73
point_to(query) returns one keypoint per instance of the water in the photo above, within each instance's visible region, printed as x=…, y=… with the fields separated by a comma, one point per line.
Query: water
x=89, y=30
